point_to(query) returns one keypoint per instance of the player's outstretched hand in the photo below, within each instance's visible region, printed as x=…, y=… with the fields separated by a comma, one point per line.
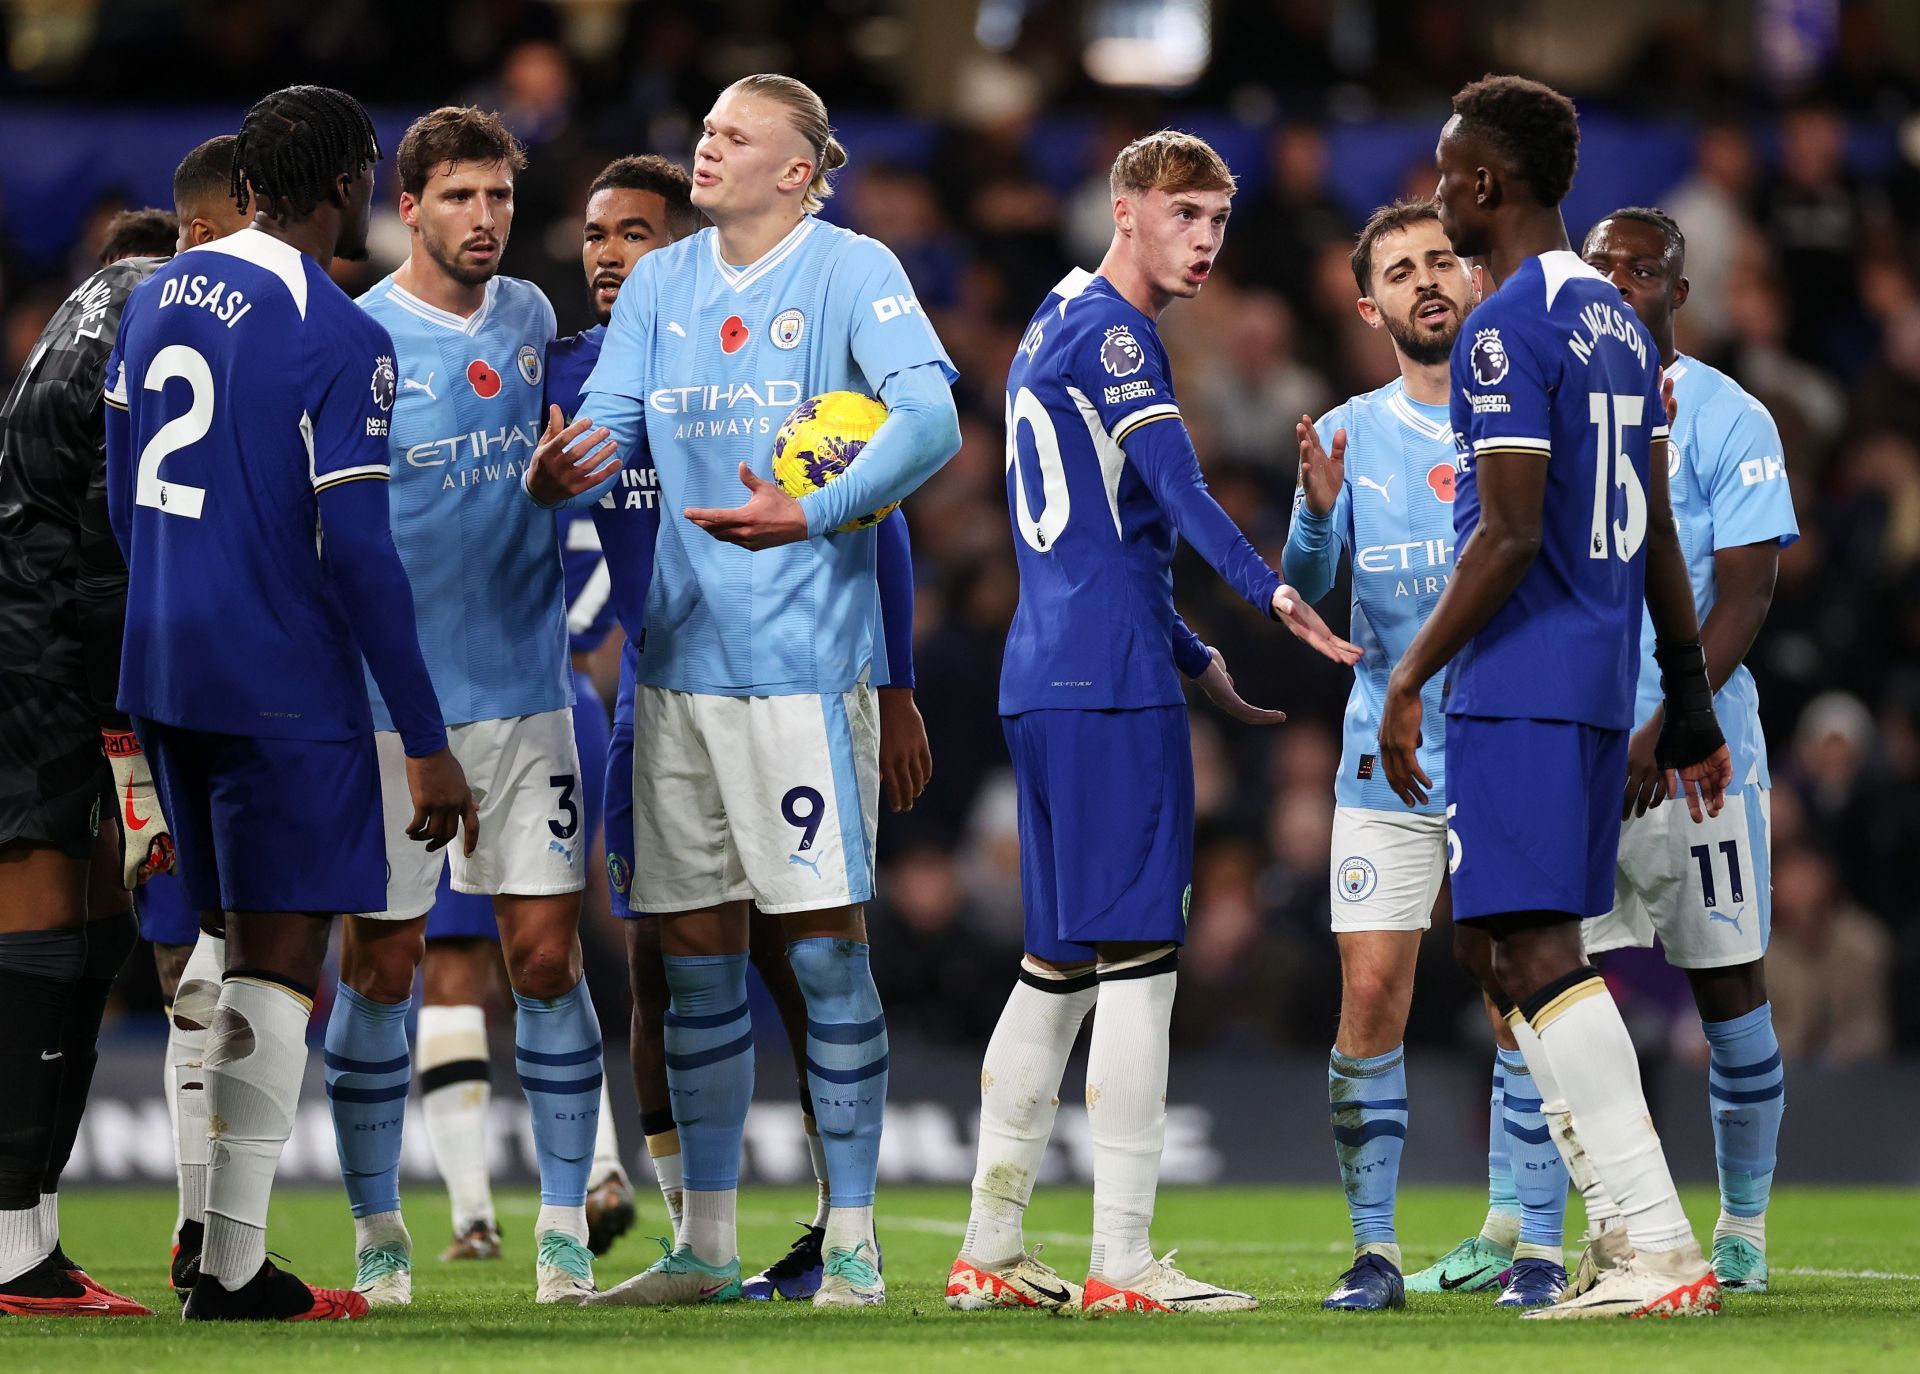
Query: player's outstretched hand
x=1703, y=784
x=442, y=805
x=1321, y=473
x=1400, y=743
x=146, y=841
x=1217, y=683
x=1291, y=609
x=1646, y=779
x=769, y=519
x=906, y=759
x=570, y=459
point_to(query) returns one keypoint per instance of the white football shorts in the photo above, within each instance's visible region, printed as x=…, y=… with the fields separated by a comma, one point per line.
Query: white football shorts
x=525, y=776
x=1387, y=867
x=1706, y=890
x=770, y=799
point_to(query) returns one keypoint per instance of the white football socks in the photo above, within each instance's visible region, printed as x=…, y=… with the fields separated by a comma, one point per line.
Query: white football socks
x=1592, y=1067
x=457, y=1112
x=606, y=1145
x=817, y=1153
x=708, y=1229
x=19, y=1242
x=1602, y=1212
x=663, y=1153
x=1127, y=1117
x=193, y=1004
x=847, y=1227
x=1019, y=1097
x=256, y=1056
x=568, y=1221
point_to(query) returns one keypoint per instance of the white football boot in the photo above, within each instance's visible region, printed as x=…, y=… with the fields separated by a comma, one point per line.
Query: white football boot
x=1161, y=1288
x=1665, y=1283
x=1021, y=1282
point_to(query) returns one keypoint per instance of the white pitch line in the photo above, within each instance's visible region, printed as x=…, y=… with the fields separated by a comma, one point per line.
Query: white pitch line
x=1851, y=1274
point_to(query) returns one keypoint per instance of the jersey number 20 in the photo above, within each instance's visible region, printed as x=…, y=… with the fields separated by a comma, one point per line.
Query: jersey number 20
x=175, y=498
x=1614, y=468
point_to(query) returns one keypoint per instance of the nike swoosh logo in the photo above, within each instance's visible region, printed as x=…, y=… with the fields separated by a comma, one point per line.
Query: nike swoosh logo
x=133, y=821
x=707, y=1290
x=1448, y=1285
x=50, y=1055
x=1045, y=1292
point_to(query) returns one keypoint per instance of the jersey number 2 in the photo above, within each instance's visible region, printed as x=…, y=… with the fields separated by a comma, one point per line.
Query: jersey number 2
x=175, y=498
x=1614, y=468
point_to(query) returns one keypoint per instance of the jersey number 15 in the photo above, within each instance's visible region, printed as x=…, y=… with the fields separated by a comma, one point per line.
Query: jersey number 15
x=1613, y=467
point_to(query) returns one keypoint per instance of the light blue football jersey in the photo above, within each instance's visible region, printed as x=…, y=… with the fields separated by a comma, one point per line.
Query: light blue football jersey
x=1394, y=518
x=718, y=355
x=484, y=561
x=1727, y=484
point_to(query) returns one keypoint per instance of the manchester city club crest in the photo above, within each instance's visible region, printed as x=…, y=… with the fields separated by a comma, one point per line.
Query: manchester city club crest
x=1120, y=352
x=383, y=382
x=1358, y=879
x=528, y=362
x=786, y=329
x=1489, y=357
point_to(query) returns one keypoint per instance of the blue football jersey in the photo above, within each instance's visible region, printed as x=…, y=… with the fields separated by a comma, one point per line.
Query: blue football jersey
x=1095, y=529
x=483, y=560
x=1727, y=481
x=718, y=355
x=250, y=383
x=625, y=522
x=1394, y=518
x=1555, y=368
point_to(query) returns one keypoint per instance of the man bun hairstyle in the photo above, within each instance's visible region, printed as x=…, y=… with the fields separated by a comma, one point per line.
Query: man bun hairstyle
x=808, y=114
x=668, y=180
x=454, y=134
x=1169, y=161
x=1388, y=219
x=1533, y=127
x=292, y=145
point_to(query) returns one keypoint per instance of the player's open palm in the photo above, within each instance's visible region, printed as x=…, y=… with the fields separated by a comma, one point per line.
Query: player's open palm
x=769, y=518
x=570, y=459
x=1321, y=473
x=1703, y=784
x=1217, y=683
x=1291, y=609
x=906, y=759
x=442, y=803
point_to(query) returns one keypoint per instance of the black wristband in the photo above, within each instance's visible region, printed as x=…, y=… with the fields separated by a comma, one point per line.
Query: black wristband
x=1689, y=732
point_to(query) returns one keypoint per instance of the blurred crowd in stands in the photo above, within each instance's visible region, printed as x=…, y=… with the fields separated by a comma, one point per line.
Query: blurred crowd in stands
x=1805, y=287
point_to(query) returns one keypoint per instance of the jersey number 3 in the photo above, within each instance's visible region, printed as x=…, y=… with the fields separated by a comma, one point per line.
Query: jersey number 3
x=175, y=361
x=1613, y=415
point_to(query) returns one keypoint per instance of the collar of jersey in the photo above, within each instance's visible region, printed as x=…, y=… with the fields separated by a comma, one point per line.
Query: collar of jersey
x=264, y=250
x=446, y=319
x=740, y=278
x=1407, y=411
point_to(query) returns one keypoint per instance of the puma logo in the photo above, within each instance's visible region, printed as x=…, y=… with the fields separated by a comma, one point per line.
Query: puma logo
x=408, y=384
x=814, y=864
x=1733, y=920
x=673, y=327
x=1380, y=487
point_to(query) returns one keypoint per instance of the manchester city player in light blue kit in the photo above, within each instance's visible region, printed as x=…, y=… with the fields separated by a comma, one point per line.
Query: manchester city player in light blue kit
x=759, y=779
x=1564, y=532
x=487, y=590
x=1376, y=480
x=1705, y=889
x=1102, y=480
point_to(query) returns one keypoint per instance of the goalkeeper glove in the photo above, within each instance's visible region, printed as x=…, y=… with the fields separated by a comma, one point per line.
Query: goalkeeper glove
x=146, y=844
x=1689, y=732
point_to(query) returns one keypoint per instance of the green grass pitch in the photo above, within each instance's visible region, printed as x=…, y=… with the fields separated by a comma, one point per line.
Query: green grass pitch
x=1846, y=1297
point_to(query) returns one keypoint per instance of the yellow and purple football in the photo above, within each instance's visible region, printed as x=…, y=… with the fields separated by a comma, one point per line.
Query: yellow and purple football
x=820, y=438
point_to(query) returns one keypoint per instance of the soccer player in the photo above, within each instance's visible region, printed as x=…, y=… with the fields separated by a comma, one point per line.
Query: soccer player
x=246, y=456
x=1563, y=527
x=189, y=948
x=1376, y=479
x=758, y=781
x=1706, y=890
x=637, y=204
x=66, y=919
x=1101, y=476
x=484, y=567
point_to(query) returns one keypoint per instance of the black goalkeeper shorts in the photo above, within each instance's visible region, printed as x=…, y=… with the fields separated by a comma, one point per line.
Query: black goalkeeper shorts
x=53, y=776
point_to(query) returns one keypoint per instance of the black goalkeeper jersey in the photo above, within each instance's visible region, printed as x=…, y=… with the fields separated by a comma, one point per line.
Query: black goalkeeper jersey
x=56, y=546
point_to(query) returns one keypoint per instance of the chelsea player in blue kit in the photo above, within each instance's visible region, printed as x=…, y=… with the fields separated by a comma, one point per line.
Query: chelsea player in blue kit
x=1377, y=480
x=246, y=447
x=1102, y=479
x=1563, y=529
x=758, y=783
x=1705, y=890
x=485, y=572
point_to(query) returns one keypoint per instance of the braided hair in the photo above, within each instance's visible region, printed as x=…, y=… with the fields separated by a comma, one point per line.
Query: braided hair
x=292, y=145
x=1675, y=258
